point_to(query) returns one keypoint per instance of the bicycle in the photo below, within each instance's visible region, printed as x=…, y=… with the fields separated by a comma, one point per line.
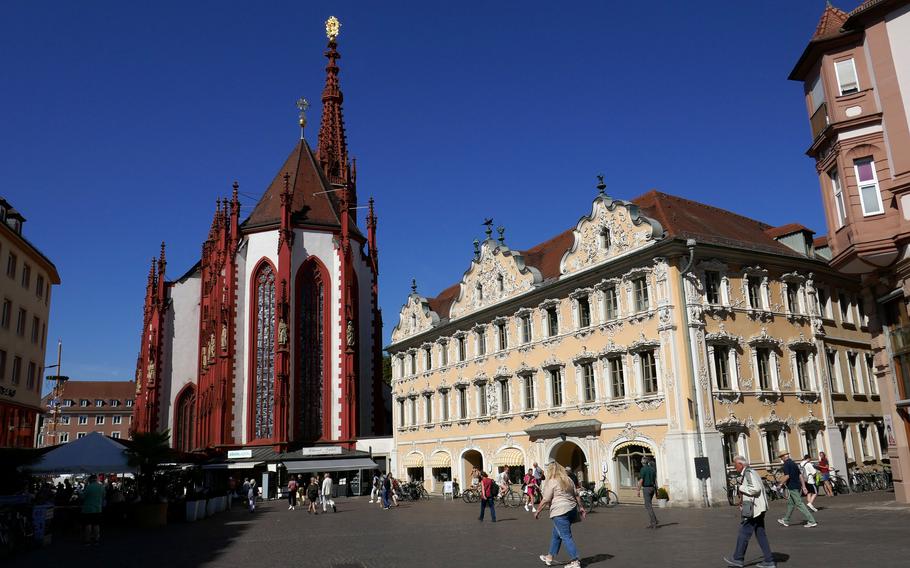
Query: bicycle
x=470, y=495
x=732, y=488
x=509, y=497
x=839, y=485
x=602, y=496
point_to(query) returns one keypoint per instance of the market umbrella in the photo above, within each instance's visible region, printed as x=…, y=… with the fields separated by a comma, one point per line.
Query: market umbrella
x=95, y=453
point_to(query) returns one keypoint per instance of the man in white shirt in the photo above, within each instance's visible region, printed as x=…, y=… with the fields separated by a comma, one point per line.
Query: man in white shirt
x=809, y=472
x=327, y=494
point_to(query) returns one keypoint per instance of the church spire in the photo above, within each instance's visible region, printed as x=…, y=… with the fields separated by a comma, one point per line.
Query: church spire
x=332, y=149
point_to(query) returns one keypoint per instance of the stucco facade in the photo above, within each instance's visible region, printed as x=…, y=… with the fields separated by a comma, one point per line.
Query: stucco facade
x=618, y=339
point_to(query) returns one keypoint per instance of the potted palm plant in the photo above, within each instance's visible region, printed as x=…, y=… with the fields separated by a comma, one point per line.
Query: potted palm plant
x=663, y=497
x=147, y=450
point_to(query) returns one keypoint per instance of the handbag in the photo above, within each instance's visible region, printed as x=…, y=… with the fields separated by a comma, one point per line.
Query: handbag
x=748, y=508
x=574, y=516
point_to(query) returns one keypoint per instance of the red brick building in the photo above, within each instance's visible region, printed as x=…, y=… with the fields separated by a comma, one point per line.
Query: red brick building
x=85, y=407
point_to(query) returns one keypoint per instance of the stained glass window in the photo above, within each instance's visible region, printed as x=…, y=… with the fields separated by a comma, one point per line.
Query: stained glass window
x=312, y=351
x=264, y=422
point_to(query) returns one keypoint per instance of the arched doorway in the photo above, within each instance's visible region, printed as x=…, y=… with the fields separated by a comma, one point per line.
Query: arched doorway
x=627, y=462
x=570, y=455
x=469, y=460
x=185, y=420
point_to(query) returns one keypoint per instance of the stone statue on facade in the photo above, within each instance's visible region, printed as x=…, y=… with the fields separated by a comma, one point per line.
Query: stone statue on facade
x=224, y=336
x=282, y=332
x=350, y=333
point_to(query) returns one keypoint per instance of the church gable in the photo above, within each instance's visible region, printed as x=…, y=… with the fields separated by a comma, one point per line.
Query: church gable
x=415, y=316
x=614, y=228
x=495, y=274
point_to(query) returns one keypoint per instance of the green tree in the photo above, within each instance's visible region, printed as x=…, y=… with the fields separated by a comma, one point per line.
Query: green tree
x=387, y=369
x=147, y=450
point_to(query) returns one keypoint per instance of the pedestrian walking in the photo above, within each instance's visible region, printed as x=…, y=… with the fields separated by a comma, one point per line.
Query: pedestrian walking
x=561, y=496
x=530, y=491
x=251, y=495
x=824, y=470
x=809, y=472
x=327, y=494
x=475, y=476
x=796, y=488
x=92, y=505
x=292, y=494
x=374, y=491
x=396, y=489
x=387, y=491
x=647, y=482
x=488, y=491
x=753, y=503
x=538, y=473
x=312, y=495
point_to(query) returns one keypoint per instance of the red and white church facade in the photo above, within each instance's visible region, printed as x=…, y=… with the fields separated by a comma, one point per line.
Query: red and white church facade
x=274, y=337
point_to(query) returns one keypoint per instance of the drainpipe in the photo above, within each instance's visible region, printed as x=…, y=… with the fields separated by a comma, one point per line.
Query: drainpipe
x=699, y=443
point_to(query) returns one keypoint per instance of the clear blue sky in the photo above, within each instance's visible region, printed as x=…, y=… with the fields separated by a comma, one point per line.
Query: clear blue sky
x=121, y=124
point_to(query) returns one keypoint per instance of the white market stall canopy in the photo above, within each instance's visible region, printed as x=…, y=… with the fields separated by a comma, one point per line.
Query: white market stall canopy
x=95, y=453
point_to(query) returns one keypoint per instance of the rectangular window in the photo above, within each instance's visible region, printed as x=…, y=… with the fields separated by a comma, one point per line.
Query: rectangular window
x=401, y=413
x=413, y=412
x=854, y=379
x=481, y=342
x=584, y=312
x=556, y=386
x=640, y=294
x=83, y=403
x=115, y=435
x=444, y=395
x=63, y=437
x=839, y=205
x=552, y=322
x=529, y=392
x=412, y=358
x=11, y=261
x=846, y=76
x=80, y=435
x=763, y=365
x=463, y=403
x=731, y=447
x=870, y=371
x=30, y=376
x=462, y=348
x=503, y=335
x=772, y=444
x=17, y=370
x=863, y=320
x=444, y=354
x=845, y=315
x=721, y=364
x=114, y=402
x=26, y=275
x=428, y=358
x=36, y=326
x=824, y=303
x=64, y=419
x=39, y=286
x=649, y=371
x=428, y=407
x=505, y=402
x=526, y=335
x=2, y=365
x=833, y=374
x=117, y=419
x=869, y=193
x=587, y=374
x=99, y=419
x=811, y=442
x=617, y=379
x=792, y=290
x=712, y=287
x=802, y=369
x=482, y=400
x=818, y=93
x=20, y=322
x=129, y=403
x=753, y=284
x=83, y=419
x=611, y=301
x=6, y=314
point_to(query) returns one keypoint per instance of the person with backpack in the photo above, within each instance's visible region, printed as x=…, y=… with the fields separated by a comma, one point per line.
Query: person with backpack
x=809, y=472
x=489, y=490
x=753, y=503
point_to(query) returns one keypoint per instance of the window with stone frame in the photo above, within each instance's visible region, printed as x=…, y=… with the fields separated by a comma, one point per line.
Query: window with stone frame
x=463, y=403
x=444, y=404
x=556, y=393
x=755, y=292
x=810, y=437
x=481, y=334
x=834, y=373
x=428, y=358
x=502, y=335
x=552, y=321
x=861, y=310
x=588, y=383
x=584, y=312
x=846, y=313
x=617, y=377
x=413, y=400
x=528, y=395
x=604, y=239
x=482, y=407
x=505, y=398
x=648, y=365
x=712, y=287
x=640, y=294
x=526, y=328
x=854, y=373
x=443, y=353
x=802, y=369
x=462, y=348
x=412, y=360
x=611, y=303
x=401, y=422
x=731, y=447
x=870, y=373
x=763, y=368
x=428, y=407
x=792, y=293
x=772, y=444
x=722, y=367
x=824, y=303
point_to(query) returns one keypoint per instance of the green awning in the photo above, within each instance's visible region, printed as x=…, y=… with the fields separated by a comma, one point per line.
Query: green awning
x=556, y=428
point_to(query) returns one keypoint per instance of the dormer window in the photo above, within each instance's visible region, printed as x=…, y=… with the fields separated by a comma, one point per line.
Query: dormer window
x=846, y=76
x=83, y=403
x=604, y=239
x=479, y=290
x=99, y=402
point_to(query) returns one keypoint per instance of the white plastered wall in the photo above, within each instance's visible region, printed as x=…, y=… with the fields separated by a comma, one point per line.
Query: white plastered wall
x=181, y=358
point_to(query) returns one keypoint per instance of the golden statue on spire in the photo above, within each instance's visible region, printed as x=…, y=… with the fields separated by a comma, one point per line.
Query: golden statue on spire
x=332, y=28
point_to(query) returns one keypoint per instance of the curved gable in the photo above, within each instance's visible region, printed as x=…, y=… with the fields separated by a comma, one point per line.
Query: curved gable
x=415, y=316
x=626, y=229
x=496, y=274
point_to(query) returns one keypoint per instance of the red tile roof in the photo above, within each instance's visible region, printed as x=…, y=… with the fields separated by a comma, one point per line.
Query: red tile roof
x=788, y=229
x=309, y=204
x=681, y=219
x=820, y=242
x=831, y=22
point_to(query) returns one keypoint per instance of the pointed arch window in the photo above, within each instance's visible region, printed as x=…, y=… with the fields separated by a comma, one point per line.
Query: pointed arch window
x=185, y=420
x=312, y=395
x=264, y=353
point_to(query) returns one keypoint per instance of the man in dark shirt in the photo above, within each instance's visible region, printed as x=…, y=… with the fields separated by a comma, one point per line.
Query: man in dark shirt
x=796, y=488
x=647, y=482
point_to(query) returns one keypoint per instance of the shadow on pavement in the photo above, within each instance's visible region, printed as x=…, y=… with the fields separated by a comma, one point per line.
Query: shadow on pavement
x=587, y=561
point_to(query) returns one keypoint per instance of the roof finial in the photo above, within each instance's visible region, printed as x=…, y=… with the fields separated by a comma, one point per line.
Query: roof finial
x=413, y=285
x=601, y=186
x=502, y=234
x=489, y=224
x=332, y=28
x=476, y=249
x=236, y=189
x=302, y=105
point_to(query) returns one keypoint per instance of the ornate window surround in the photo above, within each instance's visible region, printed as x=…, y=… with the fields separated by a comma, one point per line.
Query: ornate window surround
x=762, y=312
x=802, y=313
x=601, y=292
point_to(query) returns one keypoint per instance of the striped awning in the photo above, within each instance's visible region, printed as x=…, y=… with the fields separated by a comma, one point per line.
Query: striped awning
x=440, y=459
x=509, y=456
x=638, y=443
x=413, y=460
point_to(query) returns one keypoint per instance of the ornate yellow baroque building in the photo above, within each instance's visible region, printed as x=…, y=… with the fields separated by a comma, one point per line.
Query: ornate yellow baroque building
x=658, y=326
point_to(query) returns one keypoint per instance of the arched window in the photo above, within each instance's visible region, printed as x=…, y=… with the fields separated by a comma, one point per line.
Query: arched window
x=185, y=420
x=264, y=353
x=312, y=399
